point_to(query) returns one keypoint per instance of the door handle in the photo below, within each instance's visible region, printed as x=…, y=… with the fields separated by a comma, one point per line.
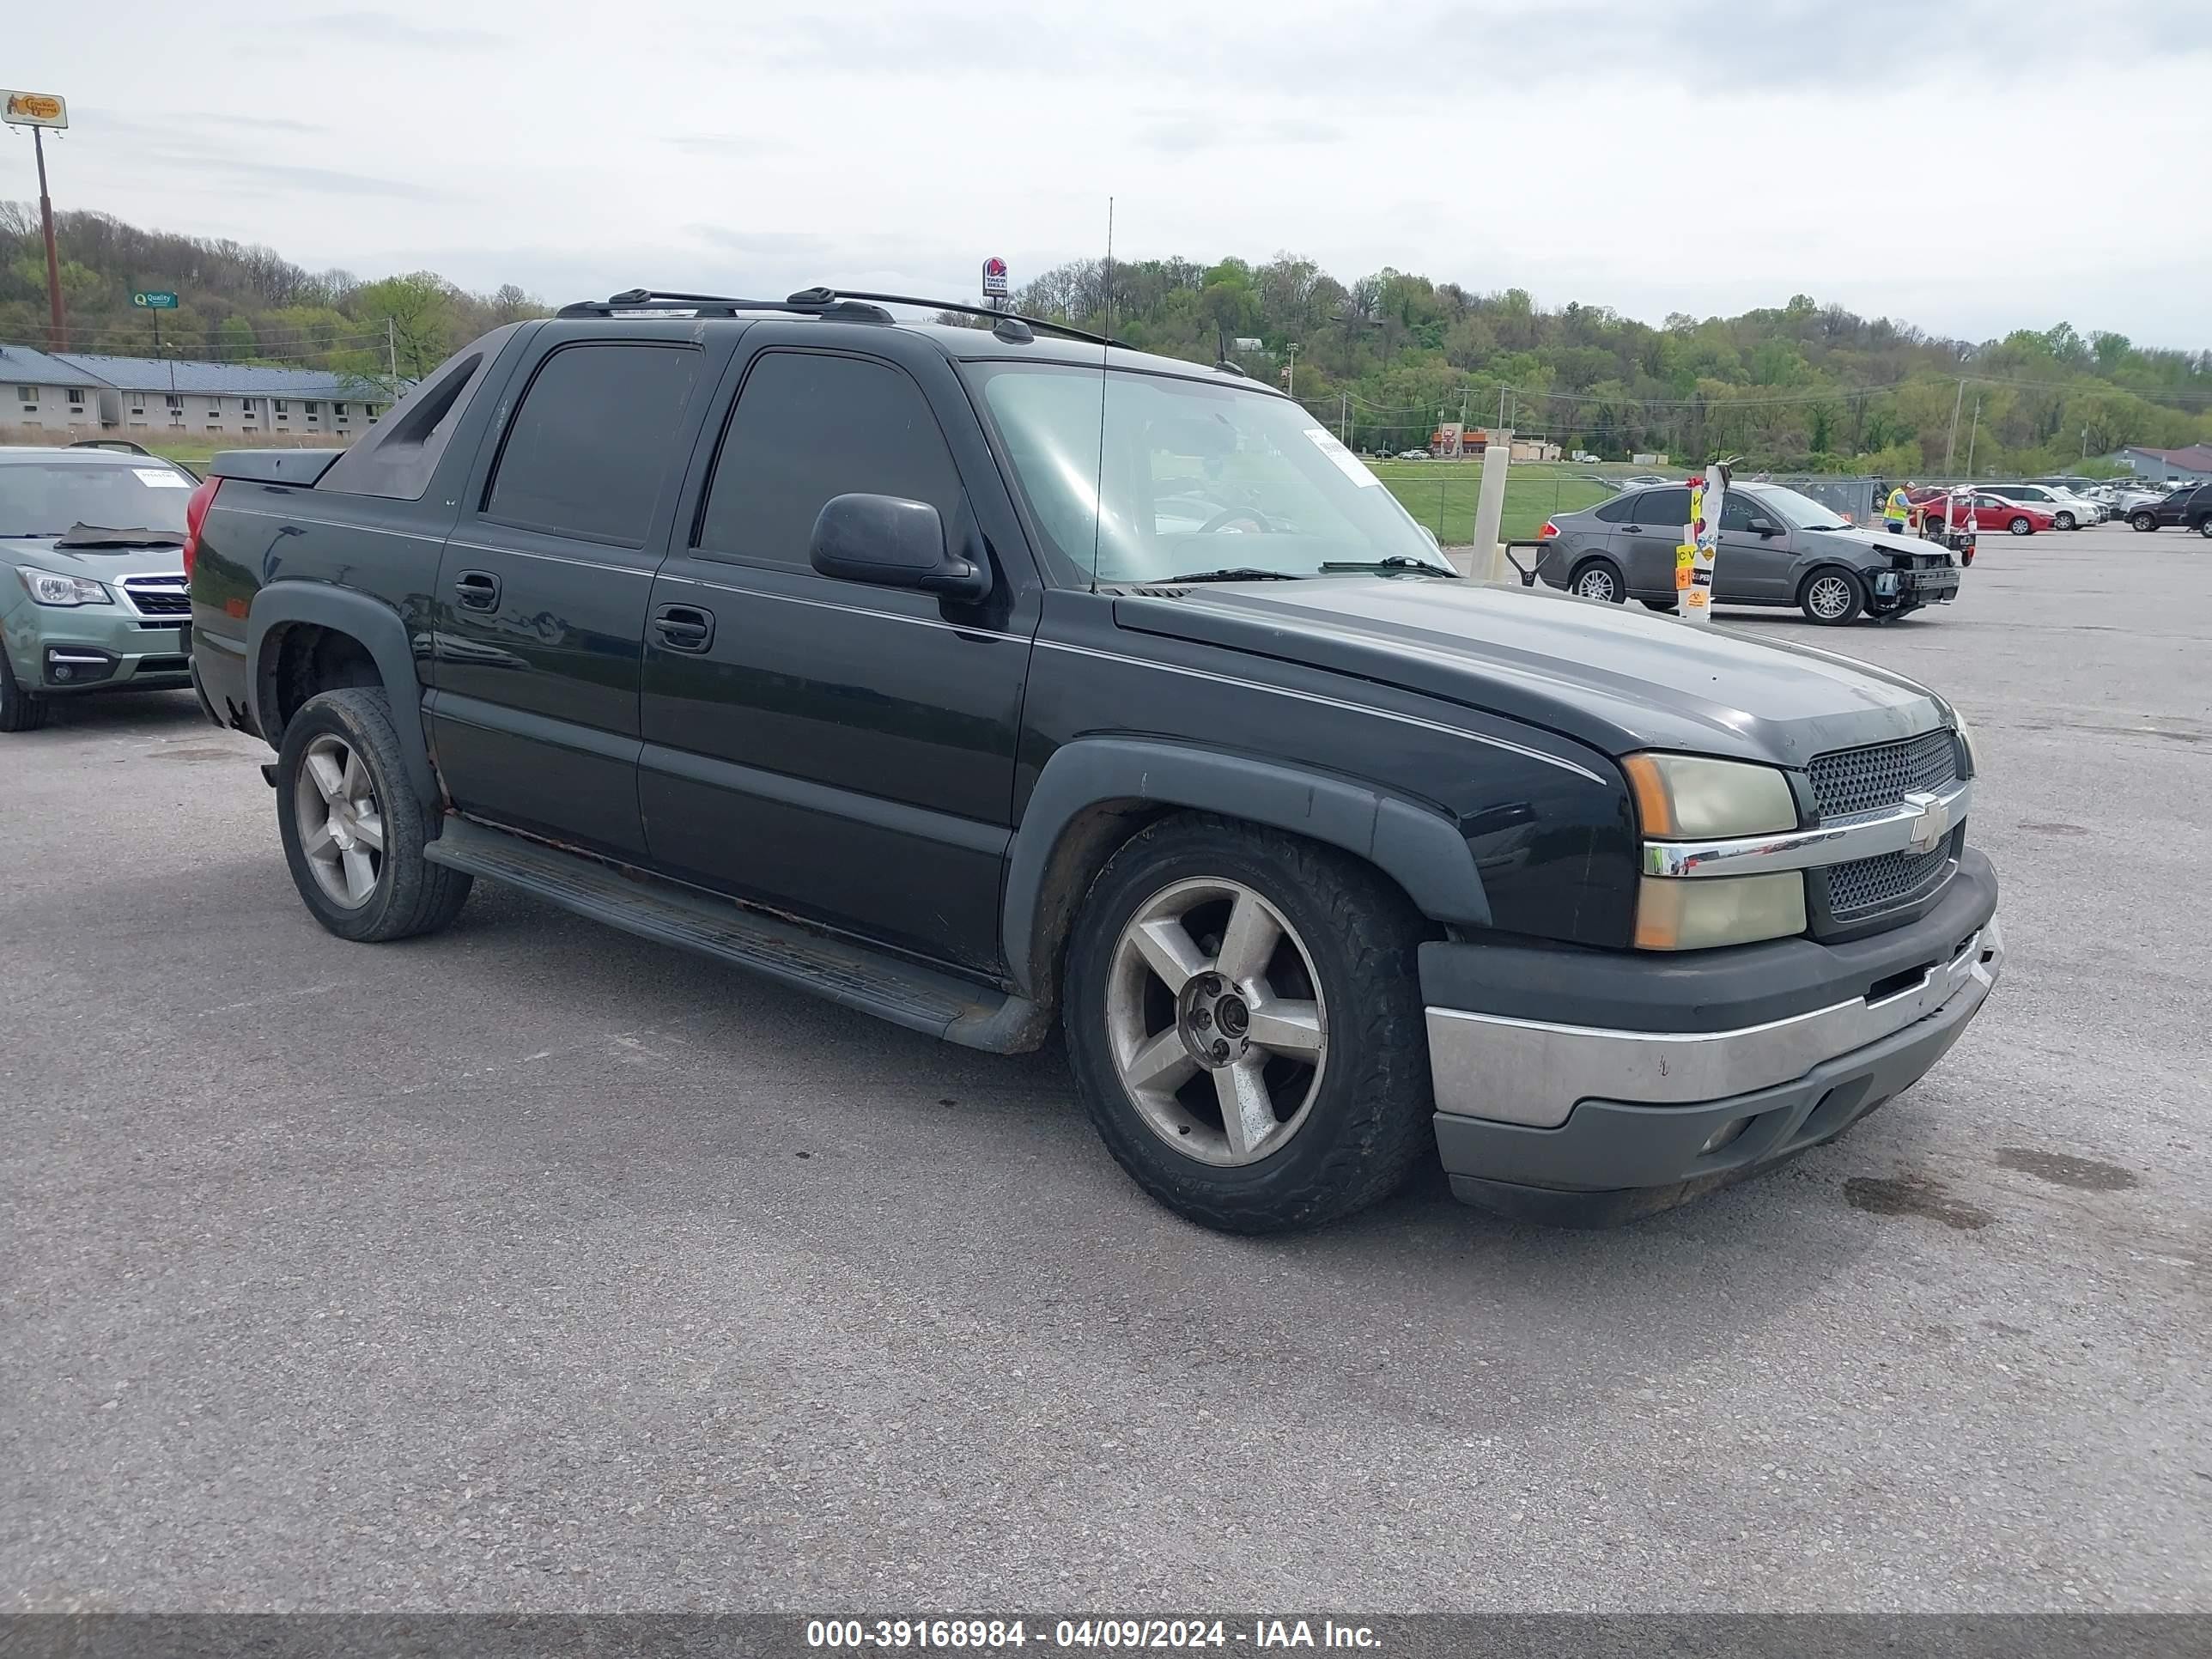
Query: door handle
x=684, y=626
x=478, y=590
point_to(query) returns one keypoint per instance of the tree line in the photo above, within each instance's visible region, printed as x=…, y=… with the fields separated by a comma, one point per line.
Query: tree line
x=1803, y=386
x=237, y=303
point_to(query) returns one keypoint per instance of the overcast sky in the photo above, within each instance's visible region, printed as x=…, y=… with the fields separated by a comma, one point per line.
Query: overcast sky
x=1968, y=167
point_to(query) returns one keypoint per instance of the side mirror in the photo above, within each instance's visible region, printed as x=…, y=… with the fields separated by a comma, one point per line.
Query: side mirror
x=1764, y=527
x=889, y=542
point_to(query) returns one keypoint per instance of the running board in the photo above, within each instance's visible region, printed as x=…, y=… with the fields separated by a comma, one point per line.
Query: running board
x=874, y=982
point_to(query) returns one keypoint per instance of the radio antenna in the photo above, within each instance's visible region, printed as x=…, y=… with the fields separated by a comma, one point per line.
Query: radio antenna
x=1098, y=482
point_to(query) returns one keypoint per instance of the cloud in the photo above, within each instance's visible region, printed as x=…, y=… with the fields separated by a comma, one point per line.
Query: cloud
x=1221, y=129
x=734, y=144
x=379, y=28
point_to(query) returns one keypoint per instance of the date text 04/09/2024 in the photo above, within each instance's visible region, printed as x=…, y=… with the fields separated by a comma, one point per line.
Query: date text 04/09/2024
x=861, y=1635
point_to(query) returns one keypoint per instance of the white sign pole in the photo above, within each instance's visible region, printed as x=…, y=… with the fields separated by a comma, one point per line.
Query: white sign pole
x=1695, y=559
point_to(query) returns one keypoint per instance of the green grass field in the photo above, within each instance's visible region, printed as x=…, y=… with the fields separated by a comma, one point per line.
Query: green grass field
x=1441, y=494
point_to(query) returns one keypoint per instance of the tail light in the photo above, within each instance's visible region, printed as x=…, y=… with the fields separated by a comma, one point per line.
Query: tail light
x=1549, y=531
x=196, y=512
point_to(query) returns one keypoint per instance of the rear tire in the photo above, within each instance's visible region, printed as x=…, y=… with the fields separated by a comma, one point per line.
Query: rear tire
x=1599, y=579
x=2144, y=520
x=1833, y=596
x=1328, y=1112
x=353, y=827
x=20, y=710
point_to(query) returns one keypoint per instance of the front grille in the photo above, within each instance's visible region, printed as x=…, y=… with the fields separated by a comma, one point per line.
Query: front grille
x=1854, y=780
x=158, y=596
x=163, y=664
x=1867, y=887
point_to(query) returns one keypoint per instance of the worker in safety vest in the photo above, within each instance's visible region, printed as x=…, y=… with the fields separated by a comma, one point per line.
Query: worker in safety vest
x=1896, y=511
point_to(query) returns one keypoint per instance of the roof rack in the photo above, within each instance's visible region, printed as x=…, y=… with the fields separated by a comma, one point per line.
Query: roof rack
x=811, y=303
x=828, y=302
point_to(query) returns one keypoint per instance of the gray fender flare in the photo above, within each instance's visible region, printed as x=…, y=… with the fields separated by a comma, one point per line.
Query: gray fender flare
x=378, y=626
x=1415, y=846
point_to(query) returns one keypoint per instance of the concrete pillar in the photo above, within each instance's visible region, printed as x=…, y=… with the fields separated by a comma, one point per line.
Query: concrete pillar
x=1489, y=555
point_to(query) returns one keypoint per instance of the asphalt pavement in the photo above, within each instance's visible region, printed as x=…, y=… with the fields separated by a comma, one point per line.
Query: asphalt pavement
x=530, y=1267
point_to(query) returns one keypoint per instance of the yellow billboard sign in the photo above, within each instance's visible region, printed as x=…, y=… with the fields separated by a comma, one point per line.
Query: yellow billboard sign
x=35, y=109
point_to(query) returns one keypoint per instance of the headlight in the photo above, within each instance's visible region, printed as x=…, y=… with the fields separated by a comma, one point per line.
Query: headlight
x=47, y=589
x=1692, y=797
x=1674, y=913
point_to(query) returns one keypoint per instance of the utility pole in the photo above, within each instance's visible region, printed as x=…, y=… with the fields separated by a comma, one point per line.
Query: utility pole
x=1344, y=418
x=1291, y=380
x=1972, y=436
x=392, y=354
x=1951, y=444
x=57, y=332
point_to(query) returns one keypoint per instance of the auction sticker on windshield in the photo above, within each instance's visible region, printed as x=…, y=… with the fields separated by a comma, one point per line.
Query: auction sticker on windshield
x=157, y=478
x=1347, y=463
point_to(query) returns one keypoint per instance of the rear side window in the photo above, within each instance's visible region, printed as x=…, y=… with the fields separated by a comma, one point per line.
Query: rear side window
x=1661, y=509
x=596, y=434
x=1616, y=510
x=808, y=426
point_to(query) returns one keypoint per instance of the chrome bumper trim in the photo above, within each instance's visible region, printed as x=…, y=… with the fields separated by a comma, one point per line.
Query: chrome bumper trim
x=1528, y=1072
x=1917, y=824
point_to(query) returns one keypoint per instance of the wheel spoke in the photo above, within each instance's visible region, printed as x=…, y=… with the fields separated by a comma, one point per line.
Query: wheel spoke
x=329, y=776
x=368, y=830
x=1292, y=1029
x=360, y=873
x=1247, y=1114
x=318, y=842
x=1169, y=952
x=355, y=777
x=1164, y=1065
x=1249, y=940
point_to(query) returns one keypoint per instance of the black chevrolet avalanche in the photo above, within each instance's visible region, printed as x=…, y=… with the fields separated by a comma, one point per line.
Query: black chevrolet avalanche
x=990, y=678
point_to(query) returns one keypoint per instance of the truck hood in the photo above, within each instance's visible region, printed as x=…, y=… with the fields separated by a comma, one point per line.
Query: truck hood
x=102, y=564
x=1617, y=680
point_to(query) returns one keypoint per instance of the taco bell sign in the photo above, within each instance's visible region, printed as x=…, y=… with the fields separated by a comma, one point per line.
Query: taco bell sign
x=994, y=278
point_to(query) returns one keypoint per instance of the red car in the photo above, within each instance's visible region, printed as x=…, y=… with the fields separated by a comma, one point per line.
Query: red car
x=1988, y=513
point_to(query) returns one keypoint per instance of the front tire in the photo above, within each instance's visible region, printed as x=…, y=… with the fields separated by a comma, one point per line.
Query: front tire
x=1600, y=580
x=2144, y=521
x=2021, y=527
x=353, y=827
x=2204, y=527
x=1243, y=1014
x=20, y=710
x=1832, y=597
x=2064, y=521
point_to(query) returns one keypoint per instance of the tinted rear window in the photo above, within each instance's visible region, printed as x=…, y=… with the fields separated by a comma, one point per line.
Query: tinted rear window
x=1616, y=510
x=1662, y=508
x=586, y=452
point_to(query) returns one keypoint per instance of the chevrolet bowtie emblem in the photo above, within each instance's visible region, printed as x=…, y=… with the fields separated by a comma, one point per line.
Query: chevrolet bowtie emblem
x=1933, y=822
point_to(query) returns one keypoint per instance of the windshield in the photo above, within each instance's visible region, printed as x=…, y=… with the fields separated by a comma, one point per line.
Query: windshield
x=48, y=498
x=1803, y=512
x=1193, y=478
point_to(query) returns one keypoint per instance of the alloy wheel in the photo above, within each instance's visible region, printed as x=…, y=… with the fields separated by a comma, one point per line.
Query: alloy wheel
x=1828, y=598
x=1595, y=583
x=1215, y=1021
x=341, y=825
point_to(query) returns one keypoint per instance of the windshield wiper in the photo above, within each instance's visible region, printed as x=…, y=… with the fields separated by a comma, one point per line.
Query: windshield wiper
x=1395, y=561
x=1242, y=573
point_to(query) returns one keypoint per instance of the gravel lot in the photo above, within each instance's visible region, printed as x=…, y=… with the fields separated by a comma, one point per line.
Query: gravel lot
x=528, y=1267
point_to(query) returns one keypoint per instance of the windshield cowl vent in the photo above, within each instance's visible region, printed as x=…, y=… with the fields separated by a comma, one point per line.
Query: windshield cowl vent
x=1160, y=592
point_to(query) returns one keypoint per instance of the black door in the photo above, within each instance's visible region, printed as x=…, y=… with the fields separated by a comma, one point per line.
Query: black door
x=540, y=614
x=841, y=751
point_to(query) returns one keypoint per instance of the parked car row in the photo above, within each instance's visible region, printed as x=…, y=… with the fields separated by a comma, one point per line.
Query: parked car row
x=2189, y=507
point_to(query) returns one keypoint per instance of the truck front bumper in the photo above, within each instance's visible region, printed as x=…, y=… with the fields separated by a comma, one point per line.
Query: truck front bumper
x=1706, y=1068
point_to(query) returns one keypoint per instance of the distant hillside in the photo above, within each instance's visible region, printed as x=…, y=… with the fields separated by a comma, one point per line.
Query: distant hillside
x=1801, y=386
x=238, y=303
